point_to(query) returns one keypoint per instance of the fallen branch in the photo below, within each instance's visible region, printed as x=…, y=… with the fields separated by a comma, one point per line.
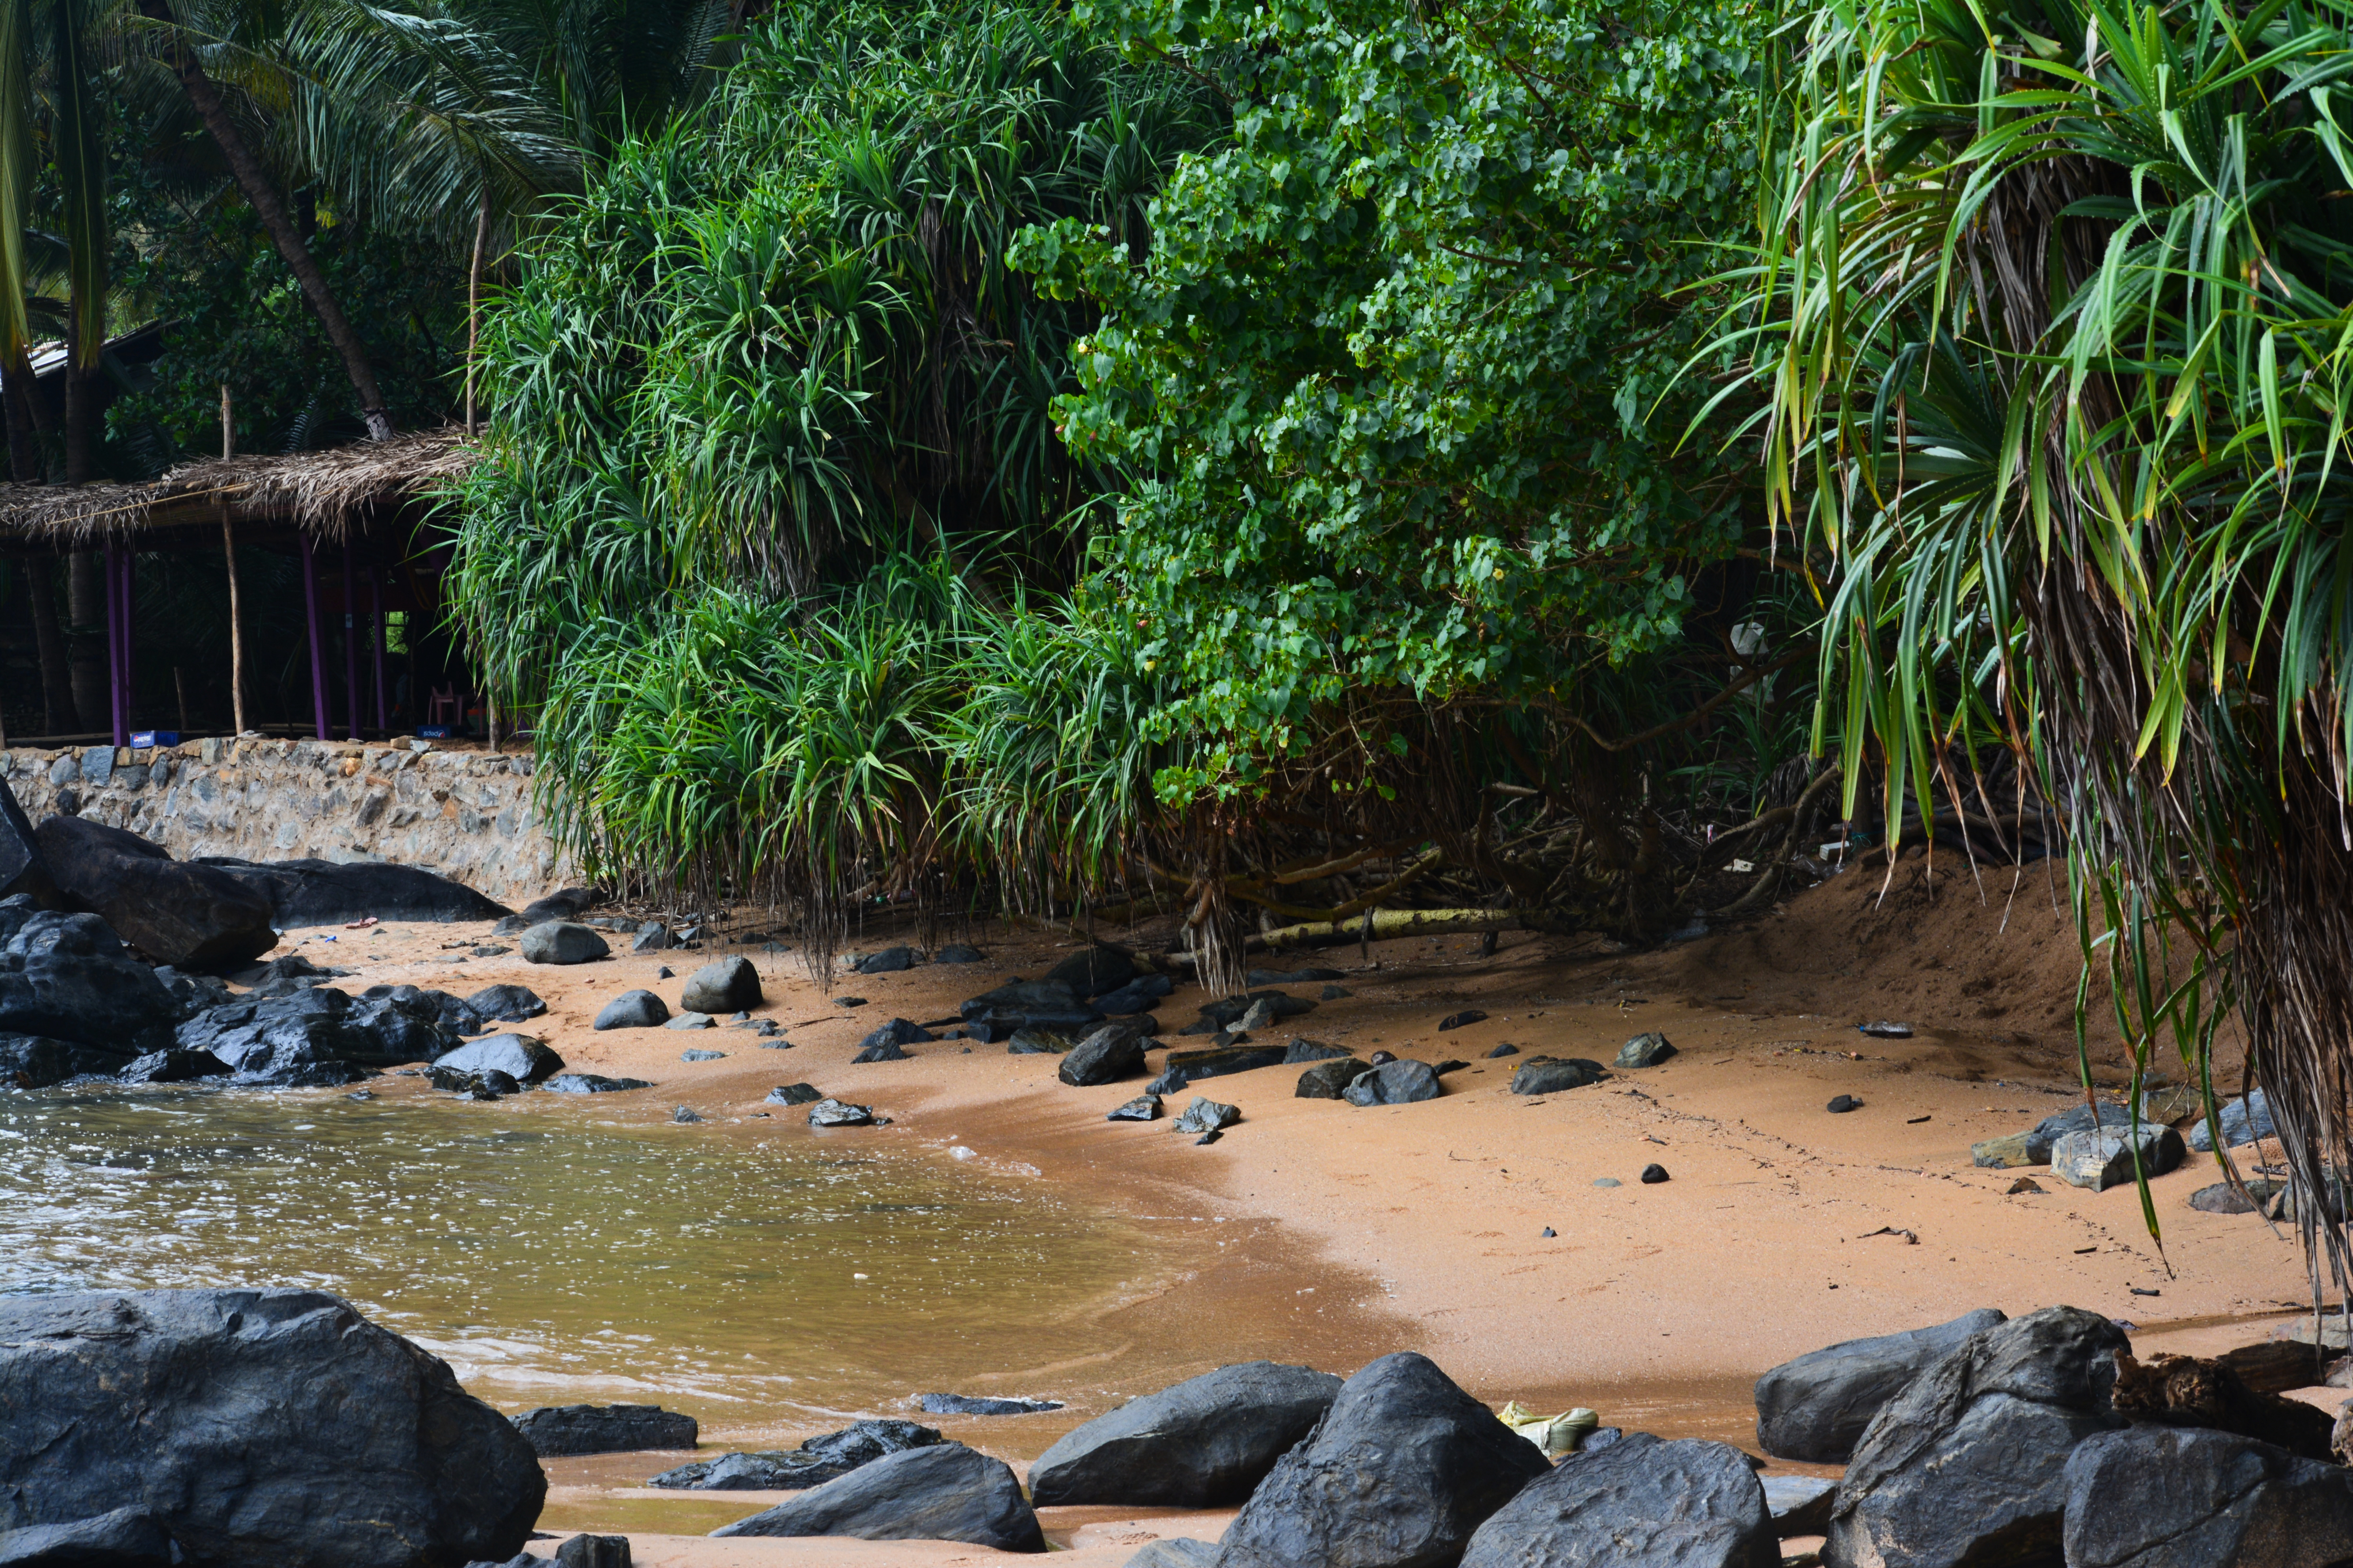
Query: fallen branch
x=1387, y=924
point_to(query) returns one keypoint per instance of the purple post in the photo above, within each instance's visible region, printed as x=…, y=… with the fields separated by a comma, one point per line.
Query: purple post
x=130, y=665
x=318, y=655
x=350, y=644
x=375, y=606
x=114, y=646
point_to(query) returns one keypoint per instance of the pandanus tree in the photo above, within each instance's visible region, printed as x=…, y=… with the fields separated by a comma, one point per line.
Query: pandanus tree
x=2057, y=313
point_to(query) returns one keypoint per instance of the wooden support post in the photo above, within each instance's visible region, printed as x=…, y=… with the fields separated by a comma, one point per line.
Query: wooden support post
x=350, y=644
x=114, y=649
x=318, y=654
x=130, y=684
x=228, y=551
x=376, y=624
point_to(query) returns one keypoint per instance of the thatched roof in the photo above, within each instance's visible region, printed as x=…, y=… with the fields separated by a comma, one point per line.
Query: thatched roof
x=320, y=493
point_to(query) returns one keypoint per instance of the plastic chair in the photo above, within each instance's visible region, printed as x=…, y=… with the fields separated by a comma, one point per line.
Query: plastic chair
x=444, y=706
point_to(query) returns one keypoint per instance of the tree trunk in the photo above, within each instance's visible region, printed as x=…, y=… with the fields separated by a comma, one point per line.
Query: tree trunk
x=261, y=194
x=59, y=716
x=86, y=623
x=83, y=419
x=24, y=445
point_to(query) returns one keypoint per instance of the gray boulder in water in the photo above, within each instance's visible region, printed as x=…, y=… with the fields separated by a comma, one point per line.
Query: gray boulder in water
x=943, y=1492
x=1639, y=1503
x=1203, y=1443
x=1815, y=1408
x=1400, y=1473
x=1967, y=1464
x=521, y=1058
x=257, y=1428
x=317, y=1038
x=67, y=977
x=561, y=1431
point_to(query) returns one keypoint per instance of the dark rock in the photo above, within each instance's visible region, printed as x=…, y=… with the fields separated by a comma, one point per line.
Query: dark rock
x=173, y=1066
x=959, y=952
x=1329, y=1080
x=840, y=1113
x=29, y=1061
x=665, y=973
x=261, y=1428
x=1398, y=1474
x=1653, y=1174
x=126, y=1538
x=1644, y=1051
x=685, y=1114
x=1815, y=1408
x=506, y=1004
x=1206, y=1139
x=1336, y=992
x=1840, y=1105
x=1206, y=1115
x=21, y=868
x=1448, y=1065
x=2156, y=1496
x=592, y=1083
x=817, y=1461
x=561, y=1431
x=521, y=1058
x=1641, y=1503
x=1505, y=1049
x=1170, y=1082
x=2224, y=1198
x=1093, y=972
x=887, y=1050
x=1143, y=1108
x=890, y=960
x=723, y=986
x=2242, y=1122
x=1550, y=1075
x=1229, y=1011
x=1028, y=1004
x=1136, y=996
x=452, y=1013
x=1548, y=1232
x=66, y=977
x=593, y=1551
x=700, y=1055
x=1226, y=1061
x=1382, y=1059
x=652, y=937
x=1458, y=1020
x=490, y=1085
x=1204, y=1443
x=942, y=1491
x=1800, y=1505
x=1110, y=1054
x=562, y=942
x=321, y=893
x=1393, y=1083
x=897, y=1032
x=194, y=992
x=633, y=1010
x=1967, y=1465
x=1291, y=976
x=186, y=915
x=284, y=976
x=981, y=1404
x=795, y=1094
x=1302, y=1051
x=318, y=1036
x=2108, y=1158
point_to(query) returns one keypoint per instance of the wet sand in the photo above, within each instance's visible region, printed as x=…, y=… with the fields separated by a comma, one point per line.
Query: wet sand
x=1317, y=1232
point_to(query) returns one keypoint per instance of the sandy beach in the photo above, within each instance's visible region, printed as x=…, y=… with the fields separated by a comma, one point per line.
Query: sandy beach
x=1321, y=1233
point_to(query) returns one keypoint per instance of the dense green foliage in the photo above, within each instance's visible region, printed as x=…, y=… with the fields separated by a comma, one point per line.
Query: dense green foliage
x=2058, y=303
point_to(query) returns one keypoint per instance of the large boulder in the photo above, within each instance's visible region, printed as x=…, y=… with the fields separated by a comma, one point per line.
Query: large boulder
x=2110, y=1157
x=318, y=1037
x=633, y=1010
x=261, y=1428
x=2242, y=1122
x=1552, y=1075
x=1204, y=1443
x=1967, y=1465
x=2034, y=1146
x=560, y=1431
x=522, y=1058
x=126, y=1538
x=2160, y=1497
x=1111, y=1053
x=1399, y=1473
x=28, y=1061
x=321, y=893
x=723, y=986
x=506, y=1004
x=186, y=915
x=1639, y=1503
x=562, y=942
x=21, y=867
x=1401, y=1082
x=1815, y=1408
x=942, y=1491
x=67, y=977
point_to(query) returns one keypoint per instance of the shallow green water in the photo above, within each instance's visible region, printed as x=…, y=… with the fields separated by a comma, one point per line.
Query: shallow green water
x=552, y=1254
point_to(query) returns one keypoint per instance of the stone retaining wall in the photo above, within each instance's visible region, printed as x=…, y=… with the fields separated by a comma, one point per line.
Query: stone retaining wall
x=465, y=814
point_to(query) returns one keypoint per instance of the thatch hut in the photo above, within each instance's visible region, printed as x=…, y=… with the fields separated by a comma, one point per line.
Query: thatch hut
x=352, y=515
